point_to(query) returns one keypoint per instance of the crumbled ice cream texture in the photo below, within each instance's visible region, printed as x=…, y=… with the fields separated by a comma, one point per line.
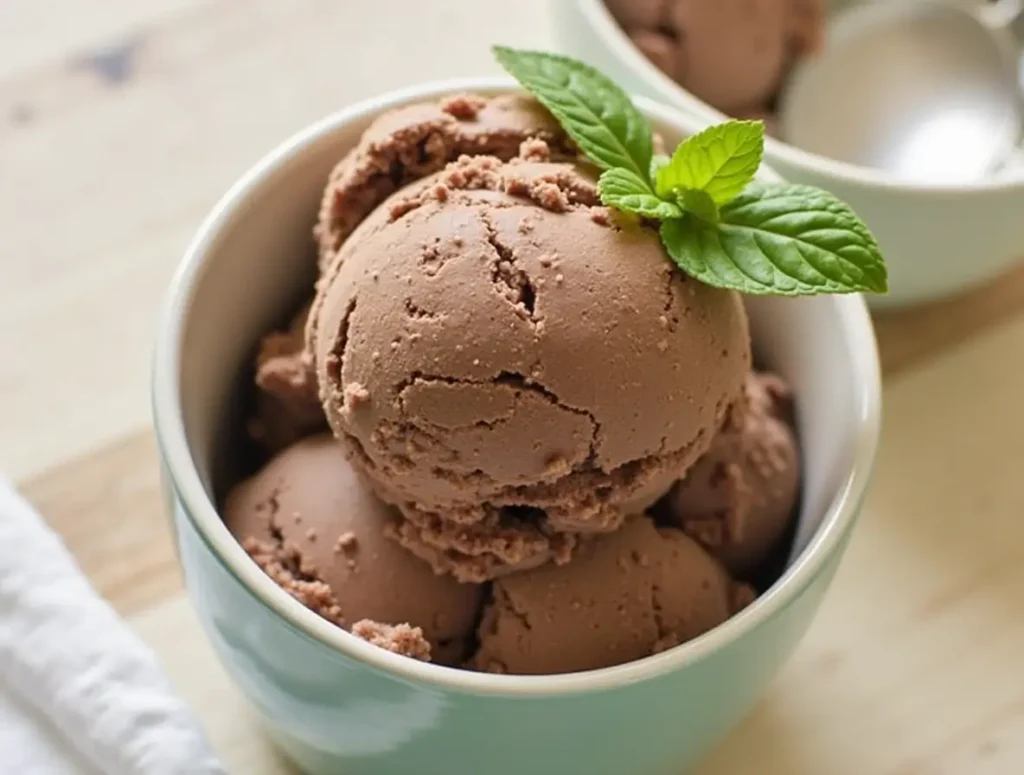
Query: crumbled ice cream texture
x=347, y=542
x=412, y=142
x=402, y=639
x=283, y=562
x=738, y=499
x=527, y=396
x=287, y=405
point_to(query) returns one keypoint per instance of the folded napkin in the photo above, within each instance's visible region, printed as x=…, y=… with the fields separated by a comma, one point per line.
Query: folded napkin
x=80, y=693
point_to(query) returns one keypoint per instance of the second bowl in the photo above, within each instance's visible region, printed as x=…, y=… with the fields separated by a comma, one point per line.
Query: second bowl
x=938, y=240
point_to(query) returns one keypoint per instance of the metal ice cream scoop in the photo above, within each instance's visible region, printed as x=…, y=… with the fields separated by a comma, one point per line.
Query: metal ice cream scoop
x=926, y=90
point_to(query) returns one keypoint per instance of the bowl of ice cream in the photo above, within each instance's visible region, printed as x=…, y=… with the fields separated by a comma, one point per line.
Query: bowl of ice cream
x=710, y=58
x=510, y=490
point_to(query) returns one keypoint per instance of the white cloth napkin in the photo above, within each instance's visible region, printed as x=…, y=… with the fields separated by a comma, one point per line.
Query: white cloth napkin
x=80, y=693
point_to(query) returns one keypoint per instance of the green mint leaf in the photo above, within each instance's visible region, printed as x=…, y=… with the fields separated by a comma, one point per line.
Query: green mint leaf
x=722, y=160
x=625, y=190
x=657, y=162
x=591, y=108
x=699, y=203
x=779, y=239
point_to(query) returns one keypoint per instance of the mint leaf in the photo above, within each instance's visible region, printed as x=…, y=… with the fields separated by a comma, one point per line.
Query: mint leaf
x=721, y=161
x=780, y=239
x=699, y=203
x=657, y=162
x=624, y=190
x=591, y=108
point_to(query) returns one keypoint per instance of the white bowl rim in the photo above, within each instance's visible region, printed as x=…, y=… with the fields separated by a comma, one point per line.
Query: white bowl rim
x=202, y=513
x=622, y=47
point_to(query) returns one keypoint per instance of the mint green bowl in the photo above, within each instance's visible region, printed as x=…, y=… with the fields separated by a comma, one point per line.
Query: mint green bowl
x=336, y=704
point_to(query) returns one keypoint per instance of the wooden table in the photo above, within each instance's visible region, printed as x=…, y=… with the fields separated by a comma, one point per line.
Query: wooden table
x=120, y=124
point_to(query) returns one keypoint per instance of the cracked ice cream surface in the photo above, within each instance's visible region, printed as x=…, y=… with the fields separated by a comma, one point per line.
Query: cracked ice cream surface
x=318, y=531
x=624, y=596
x=503, y=357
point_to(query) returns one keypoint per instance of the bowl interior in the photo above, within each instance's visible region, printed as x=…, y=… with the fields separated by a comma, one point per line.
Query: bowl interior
x=253, y=262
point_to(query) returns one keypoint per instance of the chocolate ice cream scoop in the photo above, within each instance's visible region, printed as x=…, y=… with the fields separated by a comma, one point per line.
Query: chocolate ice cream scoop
x=318, y=531
x=624, y=596
x=287, y=405
x=739, y=498
x=411, y=142
x=500, y=352
x=733, y=54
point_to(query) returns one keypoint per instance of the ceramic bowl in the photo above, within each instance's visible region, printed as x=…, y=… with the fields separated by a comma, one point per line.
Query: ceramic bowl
x=938, y=240
x=337, y=704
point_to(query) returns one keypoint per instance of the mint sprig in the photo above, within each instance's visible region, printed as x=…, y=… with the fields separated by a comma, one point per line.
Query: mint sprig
x=717, y=224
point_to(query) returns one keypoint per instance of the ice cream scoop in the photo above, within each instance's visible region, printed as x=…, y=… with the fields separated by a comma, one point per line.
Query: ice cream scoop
x=510, y=363
x=318, y=531
x=739, y=498
x=624, y=596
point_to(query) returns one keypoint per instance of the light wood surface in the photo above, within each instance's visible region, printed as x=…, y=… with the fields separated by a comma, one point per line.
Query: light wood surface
x=120, y=124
